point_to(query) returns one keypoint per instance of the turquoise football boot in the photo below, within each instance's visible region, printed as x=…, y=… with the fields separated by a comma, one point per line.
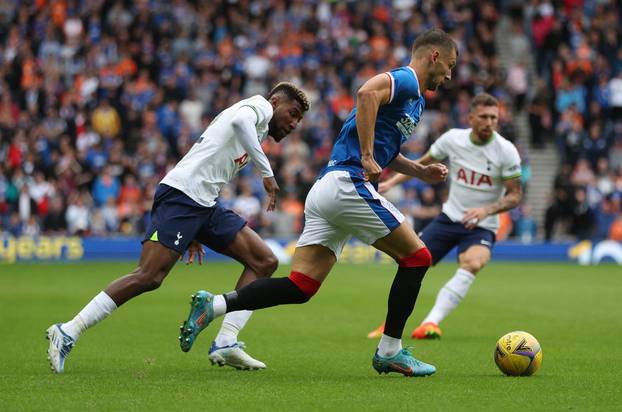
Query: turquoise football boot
x=201, y=314
x=403, y=362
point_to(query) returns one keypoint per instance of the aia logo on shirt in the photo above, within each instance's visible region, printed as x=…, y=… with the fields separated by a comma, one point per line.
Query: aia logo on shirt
x=470, y=177
x=241, y=161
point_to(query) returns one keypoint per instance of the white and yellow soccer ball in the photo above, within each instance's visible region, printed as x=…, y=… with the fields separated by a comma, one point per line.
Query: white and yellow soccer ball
x=518, y=353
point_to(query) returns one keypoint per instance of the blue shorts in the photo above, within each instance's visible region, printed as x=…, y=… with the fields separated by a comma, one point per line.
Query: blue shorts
x=177, y=220
x=442, y=234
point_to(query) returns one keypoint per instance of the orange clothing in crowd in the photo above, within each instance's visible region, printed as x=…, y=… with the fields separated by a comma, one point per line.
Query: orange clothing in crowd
x=294, y=207
x=59, y=12
x=615, y=231
x=29, y=73
x=505, y=226
x=126, y=67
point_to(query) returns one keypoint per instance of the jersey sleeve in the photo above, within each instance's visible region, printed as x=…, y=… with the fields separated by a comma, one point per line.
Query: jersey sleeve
x=511, y=166
x=262, y=109
x=404, y=85
x=247, y=136
x=440, y=149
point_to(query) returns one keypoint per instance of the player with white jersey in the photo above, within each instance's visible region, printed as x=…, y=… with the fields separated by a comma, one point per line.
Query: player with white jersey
x=186, y=214
x=485, y=179
x=344, y=202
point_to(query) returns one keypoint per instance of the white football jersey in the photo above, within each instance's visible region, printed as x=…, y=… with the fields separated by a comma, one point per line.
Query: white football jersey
x=476, y=172
x=218, y=155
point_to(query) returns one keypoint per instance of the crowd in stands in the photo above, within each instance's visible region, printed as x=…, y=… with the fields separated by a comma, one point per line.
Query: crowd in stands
x=577, y=106
x=99, y=99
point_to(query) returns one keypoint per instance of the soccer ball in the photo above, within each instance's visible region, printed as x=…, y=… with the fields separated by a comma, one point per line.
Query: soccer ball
x=518, y=354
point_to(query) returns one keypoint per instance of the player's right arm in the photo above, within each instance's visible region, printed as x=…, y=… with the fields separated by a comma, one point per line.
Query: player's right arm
x=375, y=92
x=243, y=124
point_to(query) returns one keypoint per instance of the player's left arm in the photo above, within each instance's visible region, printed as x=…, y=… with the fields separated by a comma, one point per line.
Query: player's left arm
x=427, y=171
x=511, y=199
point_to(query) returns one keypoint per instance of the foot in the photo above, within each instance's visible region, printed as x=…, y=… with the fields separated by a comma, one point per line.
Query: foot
x=201, y=314
x=428, y=330
x=376, y=333
x=59, y=348
x=404, y=362
x=234, y=356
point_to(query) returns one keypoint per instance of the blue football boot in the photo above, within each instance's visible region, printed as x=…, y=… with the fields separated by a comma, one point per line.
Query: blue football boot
x=403, y=362
x=201, y=314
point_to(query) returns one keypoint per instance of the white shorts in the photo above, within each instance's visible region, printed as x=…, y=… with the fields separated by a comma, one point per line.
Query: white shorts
x=339, y=206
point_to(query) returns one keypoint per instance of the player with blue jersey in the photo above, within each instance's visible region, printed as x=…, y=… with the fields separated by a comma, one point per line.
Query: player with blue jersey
x=186, y=214
x=344, y=202
x=485, y=179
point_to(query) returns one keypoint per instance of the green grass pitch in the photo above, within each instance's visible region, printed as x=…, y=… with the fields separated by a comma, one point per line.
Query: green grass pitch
x=317, y=354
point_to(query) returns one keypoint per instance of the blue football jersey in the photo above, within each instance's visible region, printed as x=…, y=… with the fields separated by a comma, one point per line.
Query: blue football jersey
x=395, y=123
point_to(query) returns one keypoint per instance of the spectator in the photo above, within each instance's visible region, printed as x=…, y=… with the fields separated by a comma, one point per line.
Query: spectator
x=595, y=145
x=106, y=120
x=78, y=215
x=604, y=217
x=131, y=87
x=106, y=185
x=615, y=155
x=54, y=222
x=525, y=226
x=427, y=210
x=615, y=96
x=561, y=205
x=129, y=197
x=293, y=207
x=247, y=205
x=615, y=232
x=110, y=215
x=582, y=215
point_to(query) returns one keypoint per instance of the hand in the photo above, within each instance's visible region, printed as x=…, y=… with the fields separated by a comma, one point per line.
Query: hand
x=473, y=216
x=372, y=169
x=434, y=173
x=385, y=186
x=272, y=188
x=195, y=249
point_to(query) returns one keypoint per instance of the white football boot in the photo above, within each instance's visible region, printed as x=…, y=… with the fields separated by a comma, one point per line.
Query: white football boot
x=234, y=356
x=59, y=347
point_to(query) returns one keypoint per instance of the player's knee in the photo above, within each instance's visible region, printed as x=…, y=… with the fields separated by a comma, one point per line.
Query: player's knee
x=148, y=280
x=307, y=285
x=420, y=258
x=267, y=266
x=472, y=265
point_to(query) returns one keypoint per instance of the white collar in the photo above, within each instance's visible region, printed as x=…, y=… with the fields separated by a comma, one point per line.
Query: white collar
x=416, y=78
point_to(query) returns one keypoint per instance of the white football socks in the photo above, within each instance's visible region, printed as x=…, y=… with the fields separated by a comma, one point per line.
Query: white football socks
x=231, y=326
x=94, y=312
x=388, y=346
x=450, y=296
x=219, y=305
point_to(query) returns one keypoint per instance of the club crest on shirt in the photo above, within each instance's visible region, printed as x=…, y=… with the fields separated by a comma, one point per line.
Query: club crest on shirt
x=406, y=125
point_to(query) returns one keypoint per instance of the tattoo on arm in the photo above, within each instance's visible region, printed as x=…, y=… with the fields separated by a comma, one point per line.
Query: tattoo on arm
x=511, y=199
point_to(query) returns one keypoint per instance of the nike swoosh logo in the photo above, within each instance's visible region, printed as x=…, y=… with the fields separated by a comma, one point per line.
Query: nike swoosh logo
x=200, y=319
x=398, y=368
